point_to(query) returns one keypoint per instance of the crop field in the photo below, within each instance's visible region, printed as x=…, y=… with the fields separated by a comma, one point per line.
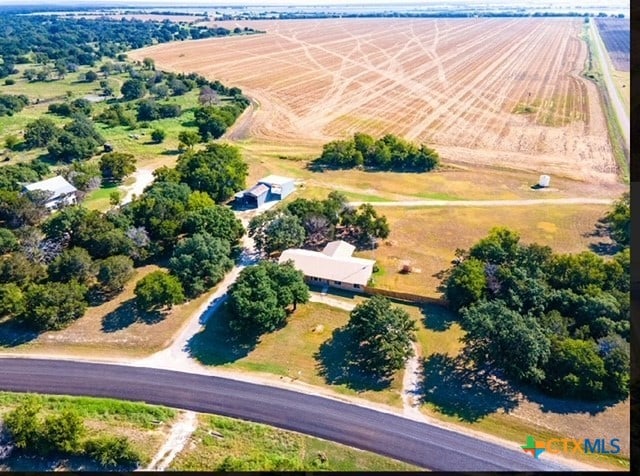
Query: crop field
x=493, y=91
x=616, y=35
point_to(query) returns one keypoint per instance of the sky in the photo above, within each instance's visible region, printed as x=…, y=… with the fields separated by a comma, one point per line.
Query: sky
x=213, y=3
x=621, y=5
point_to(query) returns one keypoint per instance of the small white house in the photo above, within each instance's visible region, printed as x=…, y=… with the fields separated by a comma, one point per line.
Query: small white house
x=61, y=192
x=333, y=266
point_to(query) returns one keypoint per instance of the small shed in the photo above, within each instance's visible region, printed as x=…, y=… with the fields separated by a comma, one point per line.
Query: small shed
x=268, y=189
x=256, y=195
x=279, y=187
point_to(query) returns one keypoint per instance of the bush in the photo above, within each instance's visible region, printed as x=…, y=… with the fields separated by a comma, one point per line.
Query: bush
x=158, y=135
x=9, y=82
x=112, y=451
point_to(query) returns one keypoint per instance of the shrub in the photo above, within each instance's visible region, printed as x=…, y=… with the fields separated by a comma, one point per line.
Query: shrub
x=158, y=135
x=112, y=451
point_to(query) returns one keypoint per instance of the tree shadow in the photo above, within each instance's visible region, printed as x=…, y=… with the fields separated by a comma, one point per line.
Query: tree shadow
x=171, y=152
x=437, y=318
x=217, y=344
x=127, y=314
x=456, y=388
x=20, y=461
x=335, y=361
x=607, y=246
x=14, y=333
x=604, y=248
x=565, y=406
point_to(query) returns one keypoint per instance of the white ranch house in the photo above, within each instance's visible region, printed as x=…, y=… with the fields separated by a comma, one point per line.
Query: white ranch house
x=333, y=266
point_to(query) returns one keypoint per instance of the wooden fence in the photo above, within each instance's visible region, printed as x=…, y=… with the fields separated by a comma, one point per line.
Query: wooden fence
x=405, y=296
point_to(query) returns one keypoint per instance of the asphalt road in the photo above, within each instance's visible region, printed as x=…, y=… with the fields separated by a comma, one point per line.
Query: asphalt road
x=383, y=433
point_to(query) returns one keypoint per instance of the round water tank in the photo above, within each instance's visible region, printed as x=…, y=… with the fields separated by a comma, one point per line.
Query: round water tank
x=544, y=181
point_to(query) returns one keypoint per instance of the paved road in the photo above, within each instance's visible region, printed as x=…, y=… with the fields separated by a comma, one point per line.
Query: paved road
x=618, y=107
x=383, y=433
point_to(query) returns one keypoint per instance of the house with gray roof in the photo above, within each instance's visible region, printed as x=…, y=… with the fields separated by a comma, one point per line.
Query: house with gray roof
x=333, y=266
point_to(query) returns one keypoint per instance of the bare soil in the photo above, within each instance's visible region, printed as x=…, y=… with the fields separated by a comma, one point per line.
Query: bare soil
x=453, y=83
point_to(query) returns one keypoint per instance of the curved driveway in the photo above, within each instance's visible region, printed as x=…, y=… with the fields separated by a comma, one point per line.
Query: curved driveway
x=383, y=433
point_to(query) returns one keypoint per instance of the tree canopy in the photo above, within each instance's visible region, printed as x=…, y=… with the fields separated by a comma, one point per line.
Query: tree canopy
x=538, y=315
x=218, y=170
x=259, y=298
x=387, y=153
x=158, y=290
x=200, y=262
x=382, y=336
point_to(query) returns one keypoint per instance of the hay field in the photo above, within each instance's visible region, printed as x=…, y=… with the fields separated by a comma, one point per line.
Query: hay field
x=499, y=91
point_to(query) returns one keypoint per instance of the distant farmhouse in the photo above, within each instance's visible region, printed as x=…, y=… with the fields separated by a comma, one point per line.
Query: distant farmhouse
x=61, y=192
x=334, y=266
x=271, y=188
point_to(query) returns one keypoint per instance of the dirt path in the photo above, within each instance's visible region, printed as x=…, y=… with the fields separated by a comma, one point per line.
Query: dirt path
x=178, y=437
x=491, y=203
x=242, y=126
x=410, y=385
x=143, y=177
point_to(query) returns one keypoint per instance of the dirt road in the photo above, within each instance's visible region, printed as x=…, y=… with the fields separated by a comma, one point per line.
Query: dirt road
x=490, y=203
x=612, y=92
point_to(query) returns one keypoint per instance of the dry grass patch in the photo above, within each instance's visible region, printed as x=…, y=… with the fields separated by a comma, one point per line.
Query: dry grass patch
x=428, y=237
x=115, y=328
x=451, y=83
x=452, y=182
x=289, y=352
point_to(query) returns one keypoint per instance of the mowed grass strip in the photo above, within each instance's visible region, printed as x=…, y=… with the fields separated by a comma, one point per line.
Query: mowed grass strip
x=426, y=238
x=291, y=352
x=261, y=447
x=146, y=427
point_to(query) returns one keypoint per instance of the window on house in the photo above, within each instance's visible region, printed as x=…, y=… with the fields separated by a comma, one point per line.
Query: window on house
x=357, y=286
x=337, y=282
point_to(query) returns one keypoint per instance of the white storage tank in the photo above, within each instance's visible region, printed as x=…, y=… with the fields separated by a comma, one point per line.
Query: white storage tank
x=544, y=181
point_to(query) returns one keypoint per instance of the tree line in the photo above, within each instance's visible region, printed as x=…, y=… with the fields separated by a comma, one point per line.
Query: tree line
x=557, y=321
x=81, y=41
x=311, y=224
x=387, y=153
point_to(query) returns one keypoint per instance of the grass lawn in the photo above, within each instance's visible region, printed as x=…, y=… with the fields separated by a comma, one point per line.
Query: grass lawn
x=257, y=447
x=113, y=328
x=291, y=352
x=428, y=237
x=99, y=198
x=146, y=426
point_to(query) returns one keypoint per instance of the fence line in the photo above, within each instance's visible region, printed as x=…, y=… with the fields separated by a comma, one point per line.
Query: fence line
x=405, y=296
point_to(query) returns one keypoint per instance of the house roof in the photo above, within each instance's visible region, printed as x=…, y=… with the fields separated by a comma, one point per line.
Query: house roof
x=275, y=180
x=257, y=190
x=344, y=269
x=57, y=185
x=339, y=249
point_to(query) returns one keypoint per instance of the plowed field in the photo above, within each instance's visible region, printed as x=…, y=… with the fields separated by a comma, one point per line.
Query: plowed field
x=500, y=91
